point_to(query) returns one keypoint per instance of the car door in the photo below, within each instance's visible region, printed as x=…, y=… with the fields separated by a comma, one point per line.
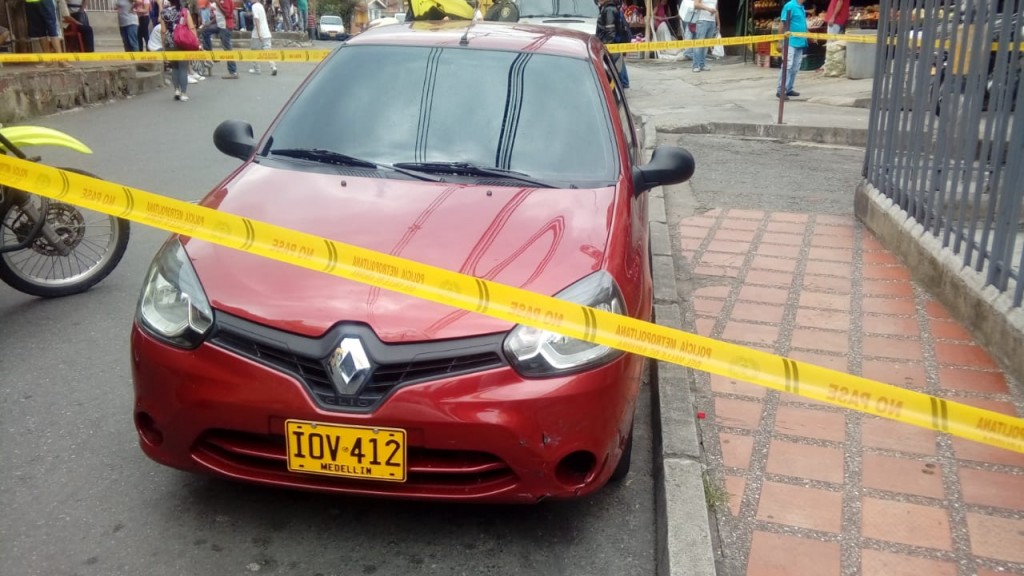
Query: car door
x=638, y=260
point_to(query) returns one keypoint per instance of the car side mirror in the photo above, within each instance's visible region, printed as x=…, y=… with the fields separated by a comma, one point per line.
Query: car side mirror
x=235, y=138
x=668, y=165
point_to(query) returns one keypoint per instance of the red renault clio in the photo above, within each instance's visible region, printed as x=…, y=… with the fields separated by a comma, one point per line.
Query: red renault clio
x=504, y=152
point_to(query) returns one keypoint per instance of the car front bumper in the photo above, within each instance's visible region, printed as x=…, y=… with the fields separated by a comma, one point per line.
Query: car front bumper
x=488, y=436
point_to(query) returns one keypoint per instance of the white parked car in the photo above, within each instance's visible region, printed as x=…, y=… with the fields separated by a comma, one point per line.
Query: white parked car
x=331, y=28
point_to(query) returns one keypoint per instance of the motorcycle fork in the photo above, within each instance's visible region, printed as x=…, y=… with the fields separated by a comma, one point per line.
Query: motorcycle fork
x=39, y=226
x=24, y=201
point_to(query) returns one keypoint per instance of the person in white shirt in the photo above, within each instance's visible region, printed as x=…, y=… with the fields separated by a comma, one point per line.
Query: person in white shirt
x=155, y=44
x=707, y=27
x=260, y=35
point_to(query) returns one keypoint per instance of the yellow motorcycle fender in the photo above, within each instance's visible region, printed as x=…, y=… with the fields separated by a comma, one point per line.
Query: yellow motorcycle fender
x=39, y=136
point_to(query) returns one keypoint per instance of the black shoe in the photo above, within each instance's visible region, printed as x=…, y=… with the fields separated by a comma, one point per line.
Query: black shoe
x=777, y=95
x=792, y=93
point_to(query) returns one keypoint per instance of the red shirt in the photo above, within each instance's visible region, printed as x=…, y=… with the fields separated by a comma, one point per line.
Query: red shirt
x=838, y=12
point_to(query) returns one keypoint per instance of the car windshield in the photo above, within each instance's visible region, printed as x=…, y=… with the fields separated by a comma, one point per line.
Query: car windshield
x=540, y=8
x=541, y=116
x=585, y=8
x=333, y=20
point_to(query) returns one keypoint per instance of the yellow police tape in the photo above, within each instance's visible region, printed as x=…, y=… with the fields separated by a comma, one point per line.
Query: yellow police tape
x=173, y=55
x=316, y=55
x=516, y=305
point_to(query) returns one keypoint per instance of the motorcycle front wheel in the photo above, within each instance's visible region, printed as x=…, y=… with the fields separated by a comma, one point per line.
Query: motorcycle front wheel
x=96, y=243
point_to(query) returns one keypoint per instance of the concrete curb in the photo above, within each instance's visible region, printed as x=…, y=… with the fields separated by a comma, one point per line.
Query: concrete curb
x=683, y=524
x=857, y=137
x=985, y=311
x=26, y=96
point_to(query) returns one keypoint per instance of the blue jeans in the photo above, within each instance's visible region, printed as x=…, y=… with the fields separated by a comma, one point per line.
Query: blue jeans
x=620, y=63
x=796, y=56
x=130, y=38
x=225, y=43
x=705, y=29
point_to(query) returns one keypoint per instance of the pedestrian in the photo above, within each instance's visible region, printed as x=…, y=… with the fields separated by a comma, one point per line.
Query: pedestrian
x=244, y=16
x=77, y=10
x=128, y=21
x=613, y=29
x=302, y=7
x=67, y=20
x=42, y=26
x=666, y=26
x=172, y=16
x=155, y=43
x=688, y=19
x=260, y=36
x=142, y=9
x=284, y=7
x=837, y=15
x=794, y=19
x=223, y=23
x=707, y=27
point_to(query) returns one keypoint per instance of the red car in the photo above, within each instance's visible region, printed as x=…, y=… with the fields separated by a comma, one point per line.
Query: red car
x=501, y=151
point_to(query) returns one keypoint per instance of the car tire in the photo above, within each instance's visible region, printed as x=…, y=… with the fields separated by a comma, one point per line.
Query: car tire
x=622, y=468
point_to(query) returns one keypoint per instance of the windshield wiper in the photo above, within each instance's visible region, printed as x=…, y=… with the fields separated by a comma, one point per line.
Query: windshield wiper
x=468, y=169
x=339, y=159
x=325, y=156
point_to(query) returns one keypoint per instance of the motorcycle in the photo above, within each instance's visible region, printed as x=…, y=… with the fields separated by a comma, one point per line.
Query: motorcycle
x=49, y=248
x=942, y=69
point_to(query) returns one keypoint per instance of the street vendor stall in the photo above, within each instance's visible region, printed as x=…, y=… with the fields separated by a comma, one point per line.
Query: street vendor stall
x=762, y=17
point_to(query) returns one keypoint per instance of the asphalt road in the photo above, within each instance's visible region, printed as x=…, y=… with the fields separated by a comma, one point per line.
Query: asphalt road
x=77, y=496
x=769, y=175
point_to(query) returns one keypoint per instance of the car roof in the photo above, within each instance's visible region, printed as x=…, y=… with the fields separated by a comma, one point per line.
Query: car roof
x=486, y=35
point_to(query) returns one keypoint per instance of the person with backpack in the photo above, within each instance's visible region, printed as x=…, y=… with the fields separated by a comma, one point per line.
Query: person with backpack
x=612, y=28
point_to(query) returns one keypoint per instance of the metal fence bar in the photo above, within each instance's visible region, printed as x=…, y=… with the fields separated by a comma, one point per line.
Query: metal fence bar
x=942, y=141
x=103, y=5
x=888, y=104
x=993, y=147
x=977, y=77
x=905, y=137
x=940, y=147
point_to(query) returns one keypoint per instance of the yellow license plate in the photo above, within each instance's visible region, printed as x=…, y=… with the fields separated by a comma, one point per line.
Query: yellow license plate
x=349, y=451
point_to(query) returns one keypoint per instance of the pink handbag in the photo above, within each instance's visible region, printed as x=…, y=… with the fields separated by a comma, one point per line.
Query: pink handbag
x=184, y=38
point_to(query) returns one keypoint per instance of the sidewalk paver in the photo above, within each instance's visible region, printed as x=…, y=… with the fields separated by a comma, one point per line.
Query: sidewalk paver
x=816, y=489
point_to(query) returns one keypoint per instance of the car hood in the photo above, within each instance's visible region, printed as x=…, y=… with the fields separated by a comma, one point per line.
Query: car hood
x=577, y=23
x=332, y=27
x=540, y=239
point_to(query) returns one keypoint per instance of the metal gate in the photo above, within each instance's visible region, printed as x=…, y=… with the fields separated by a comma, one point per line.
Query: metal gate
x=943, y=142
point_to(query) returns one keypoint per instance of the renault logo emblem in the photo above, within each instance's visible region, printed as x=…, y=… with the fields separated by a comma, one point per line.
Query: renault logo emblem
x=348, y=367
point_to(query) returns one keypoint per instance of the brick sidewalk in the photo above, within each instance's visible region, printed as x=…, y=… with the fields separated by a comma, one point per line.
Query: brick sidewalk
x=818, y=490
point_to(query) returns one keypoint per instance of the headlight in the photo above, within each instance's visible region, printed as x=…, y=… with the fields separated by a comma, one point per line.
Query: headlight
x=172, y=305
x=539, y=353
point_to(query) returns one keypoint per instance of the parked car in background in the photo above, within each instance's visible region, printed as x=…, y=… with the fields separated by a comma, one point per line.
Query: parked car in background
x=331, y=28
x=449, y=150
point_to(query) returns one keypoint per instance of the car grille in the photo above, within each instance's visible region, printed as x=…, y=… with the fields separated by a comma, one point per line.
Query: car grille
x=393, y=366
x=431, y=473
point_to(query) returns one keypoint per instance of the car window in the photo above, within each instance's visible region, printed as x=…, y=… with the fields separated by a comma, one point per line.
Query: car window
x=585, y=8
x=542, y=115
x=330, y=20
x=534, y=8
